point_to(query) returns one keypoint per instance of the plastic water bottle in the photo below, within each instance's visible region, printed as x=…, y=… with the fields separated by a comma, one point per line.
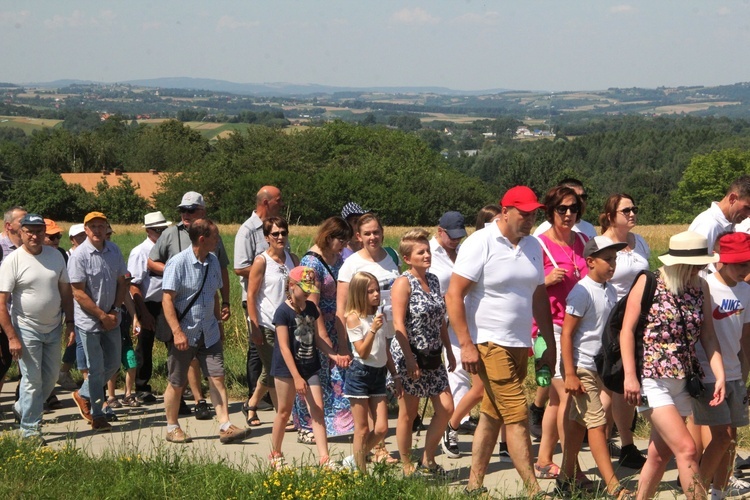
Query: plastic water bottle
x=543, y=374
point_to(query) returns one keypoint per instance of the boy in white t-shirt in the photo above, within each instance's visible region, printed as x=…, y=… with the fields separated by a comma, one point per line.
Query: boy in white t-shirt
x=730, y=306
x=586, y=312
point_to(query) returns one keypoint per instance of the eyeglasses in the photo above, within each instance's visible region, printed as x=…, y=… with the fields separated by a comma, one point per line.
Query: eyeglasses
x=158, y=230
x=276, y=234
x=563, y=209
x=54, y=236
x=626, y=211
x=190, y=211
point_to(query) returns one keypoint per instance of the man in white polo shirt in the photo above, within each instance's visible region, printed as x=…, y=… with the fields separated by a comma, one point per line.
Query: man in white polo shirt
x=722, y=215
x=496, y=286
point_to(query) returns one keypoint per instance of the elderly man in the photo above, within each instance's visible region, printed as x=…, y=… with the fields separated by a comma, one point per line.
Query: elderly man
x=172, y=241
x=99, y=280
x=36, y=277
x=10, y=240
x=496, y=286
x=248, y=244
x=147, y=296
x=191, y=308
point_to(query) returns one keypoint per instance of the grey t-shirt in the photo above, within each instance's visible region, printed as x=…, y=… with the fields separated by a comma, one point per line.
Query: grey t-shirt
x=248, y=244
x=99, y=271
x=174, y=240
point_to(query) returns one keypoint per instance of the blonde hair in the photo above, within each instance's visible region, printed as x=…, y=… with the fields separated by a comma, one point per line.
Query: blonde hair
x=412, y=237
x=678, y=277
x=356, y=298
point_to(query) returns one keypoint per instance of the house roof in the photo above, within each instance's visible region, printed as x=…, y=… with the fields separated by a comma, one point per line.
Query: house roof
x=146, y=183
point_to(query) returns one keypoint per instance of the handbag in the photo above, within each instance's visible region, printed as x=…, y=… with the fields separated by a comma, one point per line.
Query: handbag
x=163, y=331
x=428, y=359
x=693, y=381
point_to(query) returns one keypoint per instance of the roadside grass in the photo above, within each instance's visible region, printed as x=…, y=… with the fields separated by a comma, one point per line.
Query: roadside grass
x=27, y=471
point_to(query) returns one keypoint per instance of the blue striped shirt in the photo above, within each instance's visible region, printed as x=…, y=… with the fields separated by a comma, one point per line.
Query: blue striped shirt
x=183, y=275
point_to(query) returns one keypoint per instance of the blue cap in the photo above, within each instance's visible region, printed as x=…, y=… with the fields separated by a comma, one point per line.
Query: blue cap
x=33, y=220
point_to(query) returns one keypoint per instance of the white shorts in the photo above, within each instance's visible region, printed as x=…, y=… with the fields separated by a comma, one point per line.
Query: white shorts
x=663, y=392
x=558, y=363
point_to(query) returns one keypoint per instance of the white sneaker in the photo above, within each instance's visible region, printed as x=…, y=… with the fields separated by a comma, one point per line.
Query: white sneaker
x=449, y=443
x=349, y=463
x=737, y=488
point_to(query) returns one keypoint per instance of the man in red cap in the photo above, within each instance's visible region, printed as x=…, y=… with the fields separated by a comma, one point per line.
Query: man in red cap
x=496, y=286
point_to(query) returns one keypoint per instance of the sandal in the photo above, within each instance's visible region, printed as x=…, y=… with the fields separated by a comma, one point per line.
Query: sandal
x=305, y=437
x=290, y=427
x=550, y=471
x=381, y=455
x=621, y=493
x=252, y=421
x=114, y=403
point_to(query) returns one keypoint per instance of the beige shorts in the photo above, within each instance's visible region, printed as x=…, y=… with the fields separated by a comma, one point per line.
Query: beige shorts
x=587, y=409
x=503, y=369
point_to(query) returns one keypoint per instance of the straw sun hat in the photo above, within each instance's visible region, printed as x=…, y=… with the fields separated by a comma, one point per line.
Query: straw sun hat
x=688, y=247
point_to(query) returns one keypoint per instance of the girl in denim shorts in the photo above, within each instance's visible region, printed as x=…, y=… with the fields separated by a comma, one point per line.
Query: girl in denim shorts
x=365, y=380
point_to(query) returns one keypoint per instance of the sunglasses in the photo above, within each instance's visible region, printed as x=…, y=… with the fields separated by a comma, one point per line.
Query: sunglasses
x=563, y=209
x=190, y=211
x=276, y=234
x=627, y=210
x=54, y=236
x=158, y=230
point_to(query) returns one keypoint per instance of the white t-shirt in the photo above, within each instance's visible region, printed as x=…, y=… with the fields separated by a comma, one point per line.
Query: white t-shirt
x=378, y=356
x=138, y=268
x=629, y=264
x=730, y=310
x=498, y=306
x=711, y=223
x=581, y=226
x=442, y=267
x=272, y=291
x=33, y=282
x=385, y=271
x=592, y=302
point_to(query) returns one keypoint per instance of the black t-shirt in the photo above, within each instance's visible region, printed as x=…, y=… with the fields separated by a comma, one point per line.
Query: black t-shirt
x=301, y=341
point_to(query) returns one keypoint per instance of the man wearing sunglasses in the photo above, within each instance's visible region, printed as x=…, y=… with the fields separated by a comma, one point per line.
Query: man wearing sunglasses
x=722, y=215
x=147, y=295
x=174, y=240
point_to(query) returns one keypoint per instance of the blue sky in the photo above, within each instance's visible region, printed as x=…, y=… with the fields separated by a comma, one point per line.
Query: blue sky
x=467, y=45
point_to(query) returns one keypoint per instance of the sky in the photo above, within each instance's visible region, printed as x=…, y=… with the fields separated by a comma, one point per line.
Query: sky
x=463, y=45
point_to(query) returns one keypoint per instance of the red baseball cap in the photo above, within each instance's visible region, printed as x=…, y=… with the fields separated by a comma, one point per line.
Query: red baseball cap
x=734, y=248
x=522, y=198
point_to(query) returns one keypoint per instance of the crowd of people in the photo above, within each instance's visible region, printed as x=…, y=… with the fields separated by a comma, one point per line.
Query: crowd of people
x=333, y=335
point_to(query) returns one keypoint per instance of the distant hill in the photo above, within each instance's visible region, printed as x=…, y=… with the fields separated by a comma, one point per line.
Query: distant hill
x=267, y=89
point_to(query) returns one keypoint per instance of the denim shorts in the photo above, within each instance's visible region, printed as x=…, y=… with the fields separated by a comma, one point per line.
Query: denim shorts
x=363, y=381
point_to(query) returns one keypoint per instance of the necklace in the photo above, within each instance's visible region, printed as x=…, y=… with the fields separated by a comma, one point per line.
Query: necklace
x=571, y=257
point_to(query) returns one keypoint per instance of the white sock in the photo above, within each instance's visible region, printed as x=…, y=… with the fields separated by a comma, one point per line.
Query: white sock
x=171, y=427
x=717, y=494
x=225, y=426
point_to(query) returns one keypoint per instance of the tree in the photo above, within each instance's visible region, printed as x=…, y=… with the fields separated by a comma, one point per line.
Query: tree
x=48, y=195
x=121, y=203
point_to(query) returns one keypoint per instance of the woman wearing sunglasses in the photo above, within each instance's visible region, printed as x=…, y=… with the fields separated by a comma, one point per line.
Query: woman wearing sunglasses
x=617, y=221
x=564, y=266
x=266, y=291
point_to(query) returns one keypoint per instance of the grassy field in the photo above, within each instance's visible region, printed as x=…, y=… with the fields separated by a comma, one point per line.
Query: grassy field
x=28, y=125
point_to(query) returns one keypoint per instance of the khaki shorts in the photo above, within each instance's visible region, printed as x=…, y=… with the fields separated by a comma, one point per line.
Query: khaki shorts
x=587, y=409
x=502, y=370
x=211, y=360
x=265, y=352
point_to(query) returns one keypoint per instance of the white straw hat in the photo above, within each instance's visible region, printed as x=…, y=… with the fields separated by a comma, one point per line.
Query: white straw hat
x=688, y=247
x=155, y=219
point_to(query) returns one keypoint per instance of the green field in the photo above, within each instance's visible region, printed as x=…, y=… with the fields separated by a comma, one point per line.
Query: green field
x=28, y=125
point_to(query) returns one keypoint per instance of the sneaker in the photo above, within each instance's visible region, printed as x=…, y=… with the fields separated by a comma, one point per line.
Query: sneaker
x=631, y=457
x=84, y=406
x=741, y=464
x=131, y=401
x=202, y=410
x=468, y=427
x=503, y=454
x=184, y=409
x=536, y=415
x=145, y=397
x=349, y=463
x=233, y=434
x=16, y=414
x=737, y=488
x=450, y=443
x=66, y=382
x=114, y=403
x=476, y=492
x=53, y=403
x=109, y=414
x=178, y=436
x=100, y=424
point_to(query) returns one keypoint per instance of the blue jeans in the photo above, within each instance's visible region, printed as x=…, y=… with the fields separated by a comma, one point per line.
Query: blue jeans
x=39, y=364
x=103, y=350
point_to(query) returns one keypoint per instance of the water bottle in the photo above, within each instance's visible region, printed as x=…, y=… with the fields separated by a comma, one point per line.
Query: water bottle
x=543, y=374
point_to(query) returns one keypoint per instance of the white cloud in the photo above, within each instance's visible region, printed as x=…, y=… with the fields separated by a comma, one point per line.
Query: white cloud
x=724, y=11
x=622, y=9
x=415, y=16
x=489, y=18
x=16, y=19
x=78, y=19
x=230, y=23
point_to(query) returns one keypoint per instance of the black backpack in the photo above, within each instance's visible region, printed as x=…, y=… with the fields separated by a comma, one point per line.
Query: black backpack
x=609, y=359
